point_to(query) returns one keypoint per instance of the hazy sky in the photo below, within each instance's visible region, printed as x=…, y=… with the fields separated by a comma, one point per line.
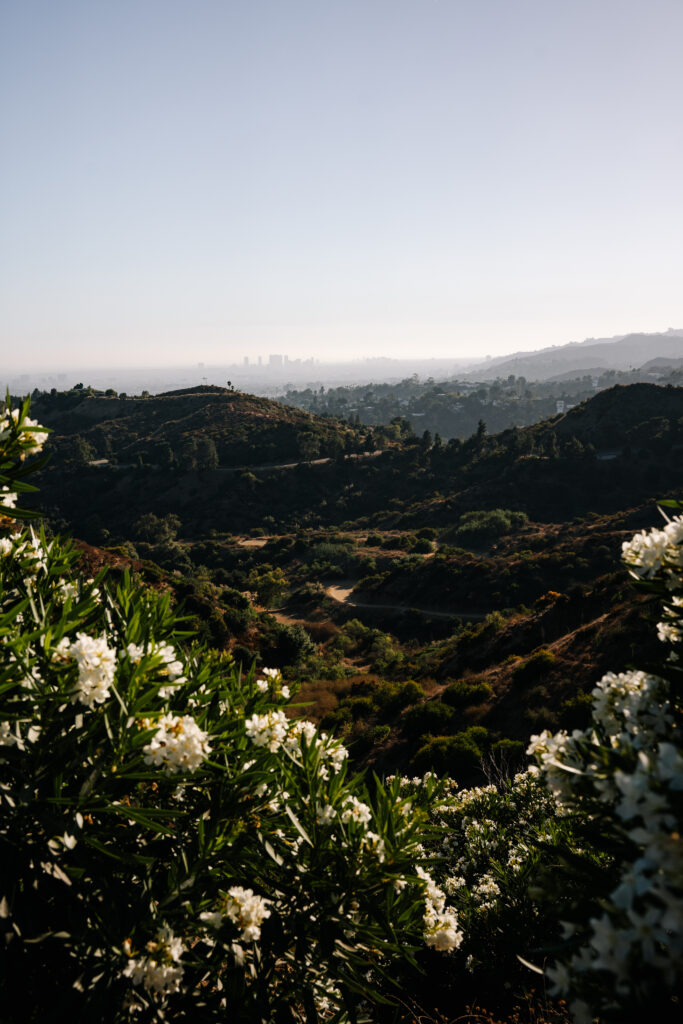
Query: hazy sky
x=207, y=179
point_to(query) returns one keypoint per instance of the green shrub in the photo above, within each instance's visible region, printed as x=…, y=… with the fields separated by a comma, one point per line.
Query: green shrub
x=534, y=668
x=479, y=527
x=575, y=712
x=458, y=756
x=431, y=717
x=461, y=694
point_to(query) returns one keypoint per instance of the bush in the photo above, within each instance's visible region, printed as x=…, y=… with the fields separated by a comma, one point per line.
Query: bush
x=461, y=694
x=534, y=668
x=479, y=527
x=458, y=756
x=374, y=540
x=172, y=845
x=287, y=645
x=431, y=717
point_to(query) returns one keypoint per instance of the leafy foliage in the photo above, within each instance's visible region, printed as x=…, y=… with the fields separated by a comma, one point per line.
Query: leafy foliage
x=173, y=844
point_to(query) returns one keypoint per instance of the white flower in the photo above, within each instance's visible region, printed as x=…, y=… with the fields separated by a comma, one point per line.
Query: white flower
x=301, y=730
x=650, y=549
x=267, y=730
x=178, y=745
x=66, y=591
x=451, y=885
x=7, y=736
x=374, y=844
x=170, y=666
x=324, y=814
x=645, y=552
x=212, y=918
x=440, y=923
x=354, y=810
x=61, y=651
x=96, y=666
x=160, y=971
x=247, y=911
x=336, y=754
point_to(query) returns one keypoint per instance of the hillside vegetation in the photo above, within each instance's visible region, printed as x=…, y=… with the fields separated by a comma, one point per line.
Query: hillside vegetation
x=393, y=559
x=441, y=612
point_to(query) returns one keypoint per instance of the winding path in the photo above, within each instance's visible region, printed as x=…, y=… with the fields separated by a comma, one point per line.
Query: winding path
x=342, y=594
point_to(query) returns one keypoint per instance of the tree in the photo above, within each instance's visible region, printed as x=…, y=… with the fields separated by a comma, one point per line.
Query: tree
x=206, y=454
x=157, y=530
x=187, y=458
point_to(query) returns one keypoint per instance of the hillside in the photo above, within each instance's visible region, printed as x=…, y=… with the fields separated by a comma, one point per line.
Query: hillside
x=188, y=425
x=437, y=601
x=621, y=353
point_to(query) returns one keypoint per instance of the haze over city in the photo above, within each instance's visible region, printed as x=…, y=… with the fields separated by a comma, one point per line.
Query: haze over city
x=188, y=183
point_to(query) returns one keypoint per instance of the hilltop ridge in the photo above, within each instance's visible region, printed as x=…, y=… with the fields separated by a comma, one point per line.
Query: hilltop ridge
x=620, y=353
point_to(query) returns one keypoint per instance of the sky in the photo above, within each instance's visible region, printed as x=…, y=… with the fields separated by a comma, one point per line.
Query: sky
x=188, y=180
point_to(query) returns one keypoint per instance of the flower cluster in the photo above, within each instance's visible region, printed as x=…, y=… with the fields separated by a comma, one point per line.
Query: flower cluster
x=440, y=922
x=178, y=744
x=8, y=499
x=268, y=730
x=355, y=811
x=628, y=763
x=27, y=549
x=247, y=911
x=650, y=550
x=330, y=752
x=160, y=971
x=31, y=435
x=164, y=658
x=96, y=666
x=273, y=683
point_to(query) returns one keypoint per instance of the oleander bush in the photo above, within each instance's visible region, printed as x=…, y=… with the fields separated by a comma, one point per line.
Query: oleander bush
x=173, y=846
x=622, y=779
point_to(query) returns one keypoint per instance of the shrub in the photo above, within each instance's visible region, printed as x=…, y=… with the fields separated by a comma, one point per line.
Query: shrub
x=458, y=756
x=534, y=668
x=287, y=645
x=623, y=776
x=172, y=845
x=479, y=527
x=431, y=717
x=374, y=540
x=461, y=694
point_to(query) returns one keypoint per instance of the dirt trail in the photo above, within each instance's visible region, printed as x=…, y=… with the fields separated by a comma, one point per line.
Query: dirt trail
x=342, y=594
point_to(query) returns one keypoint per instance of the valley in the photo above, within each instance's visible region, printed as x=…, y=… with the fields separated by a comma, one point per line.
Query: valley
x=436, y=601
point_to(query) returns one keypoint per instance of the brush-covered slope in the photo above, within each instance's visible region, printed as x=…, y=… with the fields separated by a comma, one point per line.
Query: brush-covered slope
x=166, y=429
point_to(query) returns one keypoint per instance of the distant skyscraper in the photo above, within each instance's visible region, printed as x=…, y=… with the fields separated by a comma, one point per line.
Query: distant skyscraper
x=275, y=360
x=246, y=360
